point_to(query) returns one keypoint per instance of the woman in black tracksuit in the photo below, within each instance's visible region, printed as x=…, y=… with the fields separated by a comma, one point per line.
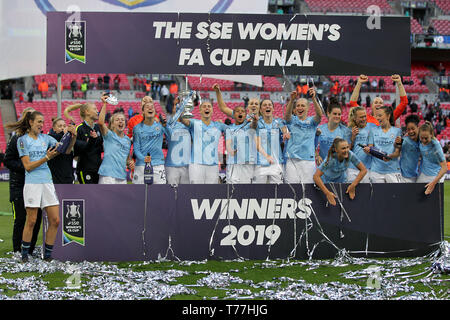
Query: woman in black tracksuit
x=89, y=144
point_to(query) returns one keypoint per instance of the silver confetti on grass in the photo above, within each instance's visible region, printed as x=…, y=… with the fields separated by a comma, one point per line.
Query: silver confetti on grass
x=217, y=280
x=375, y=279
x=99, y=281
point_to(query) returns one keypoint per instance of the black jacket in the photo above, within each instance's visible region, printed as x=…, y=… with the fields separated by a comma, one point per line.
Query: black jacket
x=88, y=149
x=16, y=170
x=61, y=166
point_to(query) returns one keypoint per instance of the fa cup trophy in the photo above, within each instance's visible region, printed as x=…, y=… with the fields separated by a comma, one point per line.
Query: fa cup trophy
x=185, y=108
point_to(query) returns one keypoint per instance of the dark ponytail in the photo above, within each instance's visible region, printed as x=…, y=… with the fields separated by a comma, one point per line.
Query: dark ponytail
x=22, y=126
x=389, y=111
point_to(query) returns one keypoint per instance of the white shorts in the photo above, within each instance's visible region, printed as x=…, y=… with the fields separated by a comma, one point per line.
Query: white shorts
x=385, y=177
x=159, y=175
x=353, y=173
x=409, y=180
x=240, y=173
x=268, y=174
x=422, y=178
x=177, y=175
x=40, y=195
x=111, y=180
x=203, y=174
x=299, y=171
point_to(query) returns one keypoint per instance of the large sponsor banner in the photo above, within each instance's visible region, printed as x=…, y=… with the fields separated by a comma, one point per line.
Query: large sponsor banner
x=196, y=222
x=23, y=24
x=246, y=44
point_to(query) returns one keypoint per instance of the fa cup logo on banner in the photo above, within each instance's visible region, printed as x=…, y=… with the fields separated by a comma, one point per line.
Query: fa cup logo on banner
x=73, y=211
x=75, y=37
x=73, y=222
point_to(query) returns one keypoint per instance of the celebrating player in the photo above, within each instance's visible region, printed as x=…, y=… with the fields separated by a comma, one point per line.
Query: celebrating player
x=178, y=152
x=117, y=148
x=268, y=144
x=35, y=149
x=147, y=140
x=252, y=106
x=360, y=128
x=300, y=162
x=334, y=169
x=89, y=144
x=383, y=137
x=240, y=141
x=378, y=102
x=433, y=166
x=331, y=130
x=410, y=153
x=204, y=166
x=16, y=183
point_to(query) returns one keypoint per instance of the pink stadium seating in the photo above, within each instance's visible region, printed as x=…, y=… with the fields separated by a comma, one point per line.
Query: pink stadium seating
x=442, y=26
x=356, y=6
x=444, y=5
x=416, y=28
x=205, y=84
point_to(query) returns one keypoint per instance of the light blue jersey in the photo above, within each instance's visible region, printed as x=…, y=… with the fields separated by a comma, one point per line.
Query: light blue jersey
x=327, y=137
x=409, y=159
x=179, y=145
x=205, y=141
x=36, y=149
x=148, y=139
x=335, y=170
x=384, y=141
x=117, y=149
x=271, y=138
x=301, y=144
x=432, y=156
x=362, y=138
x=242, y=140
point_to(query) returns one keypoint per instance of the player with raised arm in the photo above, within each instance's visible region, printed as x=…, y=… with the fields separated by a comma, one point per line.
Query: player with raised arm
x=252, y=106
x=300, y=153
x=204, y=163
x=239, y=140
x=378, y=102
x=178, y=151
x=89, y=144
x=117, y=148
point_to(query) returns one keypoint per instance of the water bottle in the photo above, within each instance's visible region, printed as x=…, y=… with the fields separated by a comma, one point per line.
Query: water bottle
x=148, y=171
x=63, y=144
x=376, y=153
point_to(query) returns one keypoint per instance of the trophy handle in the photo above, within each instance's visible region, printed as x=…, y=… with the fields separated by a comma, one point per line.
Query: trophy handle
x=181, y=109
